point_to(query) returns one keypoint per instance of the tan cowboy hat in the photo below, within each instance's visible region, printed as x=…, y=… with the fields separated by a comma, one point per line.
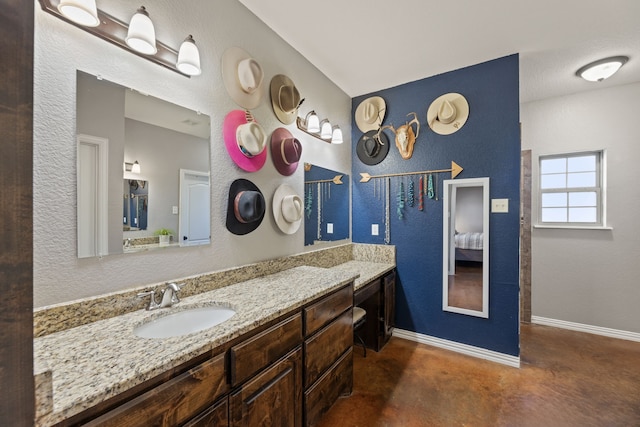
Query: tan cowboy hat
x=448, y=113
x=287, y=208
x=242, y=76
x=285, y=98
x=370, y=114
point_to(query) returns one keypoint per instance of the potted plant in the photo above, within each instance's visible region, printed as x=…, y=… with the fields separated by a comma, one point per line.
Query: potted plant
x=164, y=235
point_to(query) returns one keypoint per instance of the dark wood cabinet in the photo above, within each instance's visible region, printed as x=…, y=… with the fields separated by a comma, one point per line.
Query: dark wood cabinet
x=216, y=416
x=378, y=299
x=272, y=398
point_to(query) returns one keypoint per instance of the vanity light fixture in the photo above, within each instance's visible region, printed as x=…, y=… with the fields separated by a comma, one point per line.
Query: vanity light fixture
x=132, y=167
x=127, y=36
x=141, y=35
x=602, y=69
x=325, y=129
x=189, y=57
x=82, y=12
x=322, y=130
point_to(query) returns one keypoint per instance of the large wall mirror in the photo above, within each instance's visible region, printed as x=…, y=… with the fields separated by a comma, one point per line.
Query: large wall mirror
x=142, y=171
x=465, y=266
x=326, y=199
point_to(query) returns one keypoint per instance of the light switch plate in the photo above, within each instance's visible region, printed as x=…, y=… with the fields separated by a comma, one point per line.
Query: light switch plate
x=329, y=228
x=374, y=229
x=500, y=205
x=174, y=210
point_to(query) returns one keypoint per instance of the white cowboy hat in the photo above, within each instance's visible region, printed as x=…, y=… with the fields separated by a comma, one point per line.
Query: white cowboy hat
x=448, y=113
x=285, y=98
x=287, y=209
x=242, y=76
x=370, y=113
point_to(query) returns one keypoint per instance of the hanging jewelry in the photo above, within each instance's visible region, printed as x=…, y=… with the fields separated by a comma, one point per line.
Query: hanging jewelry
x=319, y=231
x=430, y=187
x=420, y=193
x=400, y=199
x=309, y=200
x=437, y=185
x=387, y=214
x=410, y=194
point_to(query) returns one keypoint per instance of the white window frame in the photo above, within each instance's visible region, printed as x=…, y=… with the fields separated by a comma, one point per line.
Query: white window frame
x=599, y=189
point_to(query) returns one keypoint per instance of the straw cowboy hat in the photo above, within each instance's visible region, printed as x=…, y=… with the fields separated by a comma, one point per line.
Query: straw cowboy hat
x=245, y=208
x=370, y=149
x=285, y=98
x=285, y=151
x=370, y=113
x=245, y=140
x=242, y=76
x=448, y=113
x=287, y=208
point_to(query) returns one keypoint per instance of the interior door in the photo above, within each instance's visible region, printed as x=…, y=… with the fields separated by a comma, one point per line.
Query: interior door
x=195, y=196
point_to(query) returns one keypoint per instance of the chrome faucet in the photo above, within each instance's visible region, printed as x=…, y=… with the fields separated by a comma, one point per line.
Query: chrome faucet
x=169, y=296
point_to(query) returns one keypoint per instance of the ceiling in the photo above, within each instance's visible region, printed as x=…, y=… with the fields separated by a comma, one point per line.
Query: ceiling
x=370, y=45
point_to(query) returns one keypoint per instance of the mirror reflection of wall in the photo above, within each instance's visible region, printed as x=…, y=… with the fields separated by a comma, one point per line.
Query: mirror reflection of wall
x=135, y=205
x=162, y=137
x=326, y=198
x=465, y=246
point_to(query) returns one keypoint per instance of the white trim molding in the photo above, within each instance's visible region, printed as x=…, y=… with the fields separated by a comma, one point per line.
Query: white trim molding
x=469, y=350
x=581, y=327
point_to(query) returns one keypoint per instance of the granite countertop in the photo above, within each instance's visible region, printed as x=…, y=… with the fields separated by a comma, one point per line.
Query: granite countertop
x=366, y=270
x=93, y=362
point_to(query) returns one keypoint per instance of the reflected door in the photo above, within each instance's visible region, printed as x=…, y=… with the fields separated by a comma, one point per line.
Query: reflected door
x=195, y=195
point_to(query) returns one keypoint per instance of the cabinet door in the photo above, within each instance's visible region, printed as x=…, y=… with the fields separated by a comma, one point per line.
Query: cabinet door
x=272, y=398
x=216, y=416
x=389, y=307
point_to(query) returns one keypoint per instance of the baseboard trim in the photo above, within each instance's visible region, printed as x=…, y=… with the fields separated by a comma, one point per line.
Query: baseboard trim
x=581, y=327
x=469, y=350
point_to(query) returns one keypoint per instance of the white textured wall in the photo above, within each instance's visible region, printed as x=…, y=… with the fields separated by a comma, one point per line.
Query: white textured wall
x=61, y=49
x=589, y=276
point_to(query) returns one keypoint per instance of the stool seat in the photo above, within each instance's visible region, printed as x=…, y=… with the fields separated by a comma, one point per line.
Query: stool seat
x=358, y=314
x=359, y=317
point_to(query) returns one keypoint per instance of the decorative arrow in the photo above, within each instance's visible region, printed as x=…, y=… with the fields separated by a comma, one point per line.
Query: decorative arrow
x=336, y=180
x=455, y=171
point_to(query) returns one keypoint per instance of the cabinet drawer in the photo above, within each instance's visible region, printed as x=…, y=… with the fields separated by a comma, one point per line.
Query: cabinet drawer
x=322, y=312
x=217, y=415
x=173, y=402
x=337, y=381
x=261, y=350
x=322, y=350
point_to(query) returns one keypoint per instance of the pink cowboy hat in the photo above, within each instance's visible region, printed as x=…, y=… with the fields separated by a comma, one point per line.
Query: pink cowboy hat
x=245, y=140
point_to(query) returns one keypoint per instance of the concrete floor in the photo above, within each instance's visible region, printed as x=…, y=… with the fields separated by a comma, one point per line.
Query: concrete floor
x=566, y=379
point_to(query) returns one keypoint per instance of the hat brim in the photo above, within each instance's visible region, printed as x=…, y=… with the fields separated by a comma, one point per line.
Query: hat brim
x=286, y=227
x=462, y=114
x=274, y=89
x=363, y=125
x=233, y=225
x=382, y=153
x=230, y=60
x=232, y=120
x=276, y=138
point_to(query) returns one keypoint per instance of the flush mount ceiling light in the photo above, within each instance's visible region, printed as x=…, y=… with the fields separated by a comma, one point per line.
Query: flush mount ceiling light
x=604, y=68
x=141, y=36
x=82, y=12
x=189, y=57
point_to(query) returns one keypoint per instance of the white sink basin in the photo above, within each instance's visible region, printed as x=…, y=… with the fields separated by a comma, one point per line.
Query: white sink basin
x=184, y=322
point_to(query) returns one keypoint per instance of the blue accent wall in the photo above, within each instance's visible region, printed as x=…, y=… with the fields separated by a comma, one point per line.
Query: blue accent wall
x=488, y=145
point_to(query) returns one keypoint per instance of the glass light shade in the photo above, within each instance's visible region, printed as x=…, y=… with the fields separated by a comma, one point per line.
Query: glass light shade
x=603, y=69
x=336, y=137
x=141, y=36
x=82, y=12
x=325, y=129
x=189, y=58
x=135, y=168
x=312, y=122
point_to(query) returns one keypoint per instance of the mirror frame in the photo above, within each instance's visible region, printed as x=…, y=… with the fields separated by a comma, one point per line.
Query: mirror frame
x=448, y=246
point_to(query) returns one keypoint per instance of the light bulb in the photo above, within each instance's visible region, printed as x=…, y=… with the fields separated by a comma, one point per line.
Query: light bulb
x=325, y=129
x=189, y=58
x=336, y=137
x=141, y=36
x=82, y=12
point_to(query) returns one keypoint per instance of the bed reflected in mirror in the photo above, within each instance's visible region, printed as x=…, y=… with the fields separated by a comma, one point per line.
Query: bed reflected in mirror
x=465, y=267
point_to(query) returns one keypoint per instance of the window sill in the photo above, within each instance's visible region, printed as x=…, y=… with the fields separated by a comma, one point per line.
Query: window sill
x=573, y=227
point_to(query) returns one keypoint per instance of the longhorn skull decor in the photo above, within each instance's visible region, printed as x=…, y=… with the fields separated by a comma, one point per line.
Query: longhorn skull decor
x=405, y=136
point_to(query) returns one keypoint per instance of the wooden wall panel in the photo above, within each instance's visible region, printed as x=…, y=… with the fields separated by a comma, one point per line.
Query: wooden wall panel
x=16, y=217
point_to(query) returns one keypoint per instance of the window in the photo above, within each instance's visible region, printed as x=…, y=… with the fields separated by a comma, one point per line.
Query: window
x=571, y=189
